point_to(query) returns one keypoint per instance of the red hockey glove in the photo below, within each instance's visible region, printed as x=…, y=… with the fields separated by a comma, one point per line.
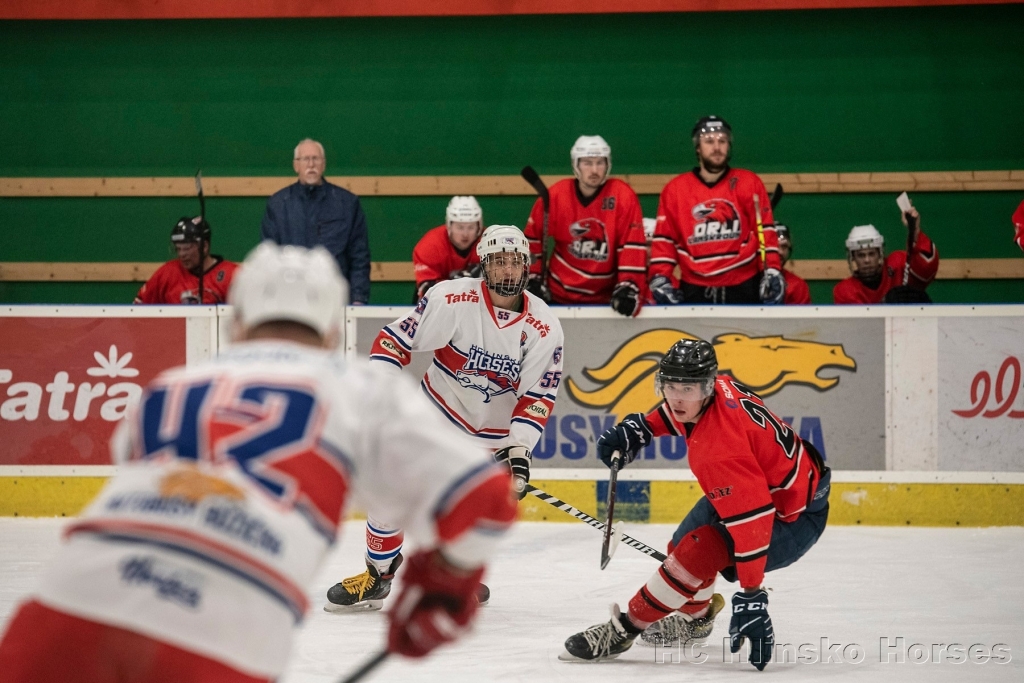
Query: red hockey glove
x=436, y=606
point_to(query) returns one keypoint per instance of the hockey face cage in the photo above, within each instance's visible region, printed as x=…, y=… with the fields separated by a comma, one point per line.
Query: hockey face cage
x=506, y=273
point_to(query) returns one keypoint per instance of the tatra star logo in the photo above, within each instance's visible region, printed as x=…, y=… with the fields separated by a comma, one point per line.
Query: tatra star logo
x=112, y=366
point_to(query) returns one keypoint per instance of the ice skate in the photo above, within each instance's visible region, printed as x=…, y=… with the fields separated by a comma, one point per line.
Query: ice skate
x=363, y=592
x=603, y=641
x=682, y=629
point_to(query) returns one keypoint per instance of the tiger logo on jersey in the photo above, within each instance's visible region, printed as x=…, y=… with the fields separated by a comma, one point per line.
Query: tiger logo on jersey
x=589, y=240
x=715, y=220
x=491, y=374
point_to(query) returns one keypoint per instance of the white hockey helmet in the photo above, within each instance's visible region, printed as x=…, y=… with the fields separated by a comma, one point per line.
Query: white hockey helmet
x=864, y=237
x=289, y=283
x=590, y=146
x=463, y=209
x=505, y=239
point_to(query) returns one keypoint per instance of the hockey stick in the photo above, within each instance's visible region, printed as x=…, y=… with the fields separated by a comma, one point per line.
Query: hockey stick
x=607, y=549
x=597, y=524
x=911, y=241
x=531, y=176
x=776, y=195
x=760, y=231
x=202, y=218
x=368, y=666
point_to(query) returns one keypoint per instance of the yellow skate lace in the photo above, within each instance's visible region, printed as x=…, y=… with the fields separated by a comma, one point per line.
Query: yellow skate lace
x=358, y=585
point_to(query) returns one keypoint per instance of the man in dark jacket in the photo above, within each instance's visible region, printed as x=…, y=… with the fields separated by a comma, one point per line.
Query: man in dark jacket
x=315, y=212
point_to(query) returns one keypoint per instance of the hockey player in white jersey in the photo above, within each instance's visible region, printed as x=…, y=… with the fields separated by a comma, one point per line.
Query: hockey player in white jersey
x=192, y=563
x=495, y=375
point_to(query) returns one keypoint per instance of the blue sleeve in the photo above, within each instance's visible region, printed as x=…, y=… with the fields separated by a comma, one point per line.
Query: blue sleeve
x=358, y=255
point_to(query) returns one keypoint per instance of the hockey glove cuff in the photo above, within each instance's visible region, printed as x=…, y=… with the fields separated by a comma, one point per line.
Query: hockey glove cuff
x=773, y=286
x=663, y=291
x=627, y=437
x=517, y=459
x=750, y=620
x=436, y=606
x=626, y=299
x=538, y=288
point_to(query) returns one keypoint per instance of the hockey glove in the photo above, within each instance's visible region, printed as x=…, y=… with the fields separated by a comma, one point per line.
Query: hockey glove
x=472, y=271
x=517, y=459
x=436, y=606
x=773, y=287
x=626, y=299
x=538, y=288
x=627, y=437
x=750, y=620
x=663, y=291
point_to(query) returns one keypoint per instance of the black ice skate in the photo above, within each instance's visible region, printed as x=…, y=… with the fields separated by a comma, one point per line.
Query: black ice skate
x=365, y=591
x=604, y=641
x=682, y=629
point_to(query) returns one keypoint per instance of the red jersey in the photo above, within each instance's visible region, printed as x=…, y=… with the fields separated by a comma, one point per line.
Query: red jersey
x=1018, y=224
x=599, y=242
x=797, y=291
x=172, y=284
x=710, y=231
x=751, y=465
x=923, y=267
x=434, y=257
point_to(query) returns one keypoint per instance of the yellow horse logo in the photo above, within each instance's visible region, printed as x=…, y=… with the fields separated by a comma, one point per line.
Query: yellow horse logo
x=762, y=364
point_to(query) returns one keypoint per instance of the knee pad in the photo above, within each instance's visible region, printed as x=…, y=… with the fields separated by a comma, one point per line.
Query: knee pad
x=699, y=555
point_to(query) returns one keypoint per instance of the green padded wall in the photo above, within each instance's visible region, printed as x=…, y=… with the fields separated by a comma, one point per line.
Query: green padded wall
x=920, y=89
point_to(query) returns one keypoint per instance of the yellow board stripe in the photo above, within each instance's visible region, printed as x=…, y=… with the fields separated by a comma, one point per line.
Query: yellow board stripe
x=871, y=504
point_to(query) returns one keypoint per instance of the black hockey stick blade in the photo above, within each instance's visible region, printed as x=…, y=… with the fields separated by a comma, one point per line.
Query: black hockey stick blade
x=199, y=192
x=531, y=176
x=367, y=667
x=606, y=545
x=776, y=195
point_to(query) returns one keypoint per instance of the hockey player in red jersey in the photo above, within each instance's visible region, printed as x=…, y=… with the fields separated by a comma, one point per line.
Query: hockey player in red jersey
x=596, y=222
x=1018, y=225
x=765, y=504
x=875, y=275
x=495, y=375
x=797, y=291
x=177, y=281
x=449, y=251
x=193, y=562
x=708, y=226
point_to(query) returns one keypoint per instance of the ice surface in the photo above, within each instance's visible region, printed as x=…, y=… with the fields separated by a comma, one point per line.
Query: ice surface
x=857, y=586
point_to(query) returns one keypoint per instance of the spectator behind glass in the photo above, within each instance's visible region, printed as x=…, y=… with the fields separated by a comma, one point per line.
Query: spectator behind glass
x=797, y=291
x=448, y=251
x=315, y=212
x=177, y=281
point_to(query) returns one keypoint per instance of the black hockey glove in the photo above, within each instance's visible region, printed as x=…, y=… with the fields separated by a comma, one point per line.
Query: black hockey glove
x=626, y=299
x=773, y=287
x=627, y=437
x=517, y=459
x=663, y=291
x=538, y=288
x=750, y=620
x=472, y=271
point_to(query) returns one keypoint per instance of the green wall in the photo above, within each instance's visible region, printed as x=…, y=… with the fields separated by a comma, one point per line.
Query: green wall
x=854, y=90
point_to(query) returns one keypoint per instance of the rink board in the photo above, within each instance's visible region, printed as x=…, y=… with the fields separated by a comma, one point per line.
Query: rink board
x=875, y=503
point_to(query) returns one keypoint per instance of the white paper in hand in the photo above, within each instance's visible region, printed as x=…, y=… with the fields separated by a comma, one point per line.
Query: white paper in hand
x=903, y=201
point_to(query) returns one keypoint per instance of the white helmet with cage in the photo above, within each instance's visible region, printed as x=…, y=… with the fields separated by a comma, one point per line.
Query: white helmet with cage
x=289, y=283
x=505, y=245
x=864, y=237
x=590, y=146
x=463, y=209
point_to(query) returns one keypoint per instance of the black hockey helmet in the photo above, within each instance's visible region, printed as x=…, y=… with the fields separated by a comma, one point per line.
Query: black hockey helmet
x=191, y=230
x=710, y=124
x=689, y=361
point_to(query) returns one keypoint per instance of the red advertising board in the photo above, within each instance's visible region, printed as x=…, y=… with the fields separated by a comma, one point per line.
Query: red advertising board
x=66, y=382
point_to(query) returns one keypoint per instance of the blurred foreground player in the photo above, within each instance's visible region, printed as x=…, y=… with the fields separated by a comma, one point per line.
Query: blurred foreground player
x=177, y=281
x=448, y=251
x=897, y=278
x=495, y=375
x=766, y=503
x=597, y=225
x=192, y=564
x=797, y=291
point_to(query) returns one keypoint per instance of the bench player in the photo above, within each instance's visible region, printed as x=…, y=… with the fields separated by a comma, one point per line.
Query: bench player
x=765, y=504
x=192, y=563
x=495, y=375
x=449, y=251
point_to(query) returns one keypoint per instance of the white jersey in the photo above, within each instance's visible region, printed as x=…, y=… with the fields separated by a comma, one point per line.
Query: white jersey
x=235, y=478
x=495, y=373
